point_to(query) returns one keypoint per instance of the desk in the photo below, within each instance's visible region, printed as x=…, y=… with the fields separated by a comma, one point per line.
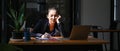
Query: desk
x=97, y=43
x=111, y=37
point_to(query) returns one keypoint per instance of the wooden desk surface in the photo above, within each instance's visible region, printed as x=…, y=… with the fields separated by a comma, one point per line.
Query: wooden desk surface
x=89, y=41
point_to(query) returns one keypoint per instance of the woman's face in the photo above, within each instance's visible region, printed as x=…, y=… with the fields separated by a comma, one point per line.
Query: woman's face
x=52, y=15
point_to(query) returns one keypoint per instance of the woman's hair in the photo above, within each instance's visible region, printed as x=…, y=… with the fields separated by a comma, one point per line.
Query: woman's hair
x=53, y=8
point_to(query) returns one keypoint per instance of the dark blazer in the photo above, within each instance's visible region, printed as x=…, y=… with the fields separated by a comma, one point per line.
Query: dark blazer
x=42, y=26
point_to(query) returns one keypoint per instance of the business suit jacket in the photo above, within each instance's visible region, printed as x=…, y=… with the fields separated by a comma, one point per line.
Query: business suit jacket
x=42, y=26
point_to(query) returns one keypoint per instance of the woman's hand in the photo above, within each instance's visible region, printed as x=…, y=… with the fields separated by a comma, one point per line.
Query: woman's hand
x=57, y=19
x=31, y=30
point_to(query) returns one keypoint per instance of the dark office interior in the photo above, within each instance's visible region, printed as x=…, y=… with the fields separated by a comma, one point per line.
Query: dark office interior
x=99, y=14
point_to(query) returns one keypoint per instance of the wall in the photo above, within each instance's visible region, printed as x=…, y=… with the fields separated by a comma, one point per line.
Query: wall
x=96, y=12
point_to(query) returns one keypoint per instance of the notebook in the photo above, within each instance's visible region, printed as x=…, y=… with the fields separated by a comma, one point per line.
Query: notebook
x=79, y=32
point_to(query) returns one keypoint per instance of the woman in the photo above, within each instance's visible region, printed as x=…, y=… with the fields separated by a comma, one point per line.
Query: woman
x=51, y=24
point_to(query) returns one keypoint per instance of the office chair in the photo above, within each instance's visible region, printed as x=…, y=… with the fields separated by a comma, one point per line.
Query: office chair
x=95, y=34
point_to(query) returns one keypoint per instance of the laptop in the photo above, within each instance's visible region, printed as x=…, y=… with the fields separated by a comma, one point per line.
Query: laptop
x=79, y=32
